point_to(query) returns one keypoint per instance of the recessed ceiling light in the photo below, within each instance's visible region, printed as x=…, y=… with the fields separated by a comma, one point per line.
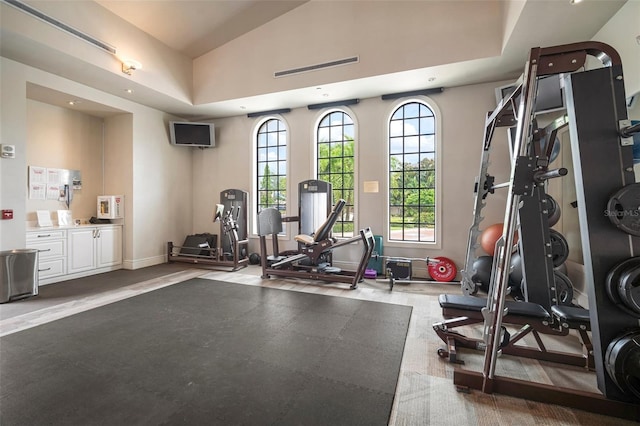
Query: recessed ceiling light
x=574, y=1
x=128, y=90
x=74, y=102
x=432, y=79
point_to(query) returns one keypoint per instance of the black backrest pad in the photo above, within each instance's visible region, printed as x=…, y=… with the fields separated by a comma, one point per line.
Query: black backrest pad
x=194, y=244
x=471, y=303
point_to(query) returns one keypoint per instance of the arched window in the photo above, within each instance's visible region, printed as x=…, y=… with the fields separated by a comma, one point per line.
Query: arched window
x=335, y=139
x=412, y=173
x=271, y=165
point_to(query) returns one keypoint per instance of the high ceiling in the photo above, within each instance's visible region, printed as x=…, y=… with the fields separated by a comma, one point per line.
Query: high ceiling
x=198, y=26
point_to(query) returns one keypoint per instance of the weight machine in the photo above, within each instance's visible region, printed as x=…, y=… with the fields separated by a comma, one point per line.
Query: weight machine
x=608, y=202
x=232, y=258
x=310, y=261
x=237, y=200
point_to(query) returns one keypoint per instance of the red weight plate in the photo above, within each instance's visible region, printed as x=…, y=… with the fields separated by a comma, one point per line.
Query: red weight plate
x=444, y=271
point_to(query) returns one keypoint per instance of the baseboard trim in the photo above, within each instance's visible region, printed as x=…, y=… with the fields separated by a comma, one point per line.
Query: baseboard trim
x=143, y=263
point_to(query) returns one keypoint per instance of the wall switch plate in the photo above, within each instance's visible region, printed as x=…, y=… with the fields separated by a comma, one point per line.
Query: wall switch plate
x=7, y=151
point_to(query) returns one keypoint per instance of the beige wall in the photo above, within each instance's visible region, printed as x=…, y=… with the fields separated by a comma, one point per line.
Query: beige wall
x=621, y=32
x=118, y=166
x=65, y=139
x=162, y=66
x=139, y=162
x=162, y=189
x=13, y=172
x=301, y=38
x=462, y=112
x=170, y=191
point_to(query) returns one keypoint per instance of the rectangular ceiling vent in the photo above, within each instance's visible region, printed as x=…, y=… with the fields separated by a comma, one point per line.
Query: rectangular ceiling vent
x=316, y=67
x=60, y=25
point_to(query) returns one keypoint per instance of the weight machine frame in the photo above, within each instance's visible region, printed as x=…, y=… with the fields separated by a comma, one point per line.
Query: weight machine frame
x=216, y=256
x=270, y=223
x=603, y=163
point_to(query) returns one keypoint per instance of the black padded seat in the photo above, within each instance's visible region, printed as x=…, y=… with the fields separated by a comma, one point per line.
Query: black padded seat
x=572, y=316
x=471, y=303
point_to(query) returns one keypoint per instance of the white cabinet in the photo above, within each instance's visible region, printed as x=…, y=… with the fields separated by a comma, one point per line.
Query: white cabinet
x=93, y=248
x=109, y=246
x=52, y=252
x=82, y=243
x=74, y=252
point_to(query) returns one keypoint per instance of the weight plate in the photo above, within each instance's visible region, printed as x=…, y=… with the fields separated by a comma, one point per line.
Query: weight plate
x=559, y=247
x=562, y=268
x=444, y=271
x=629, y=288
x=553, y=210
x=622, y=362
x=564, y=289
x=613, y=280
x=623, y=209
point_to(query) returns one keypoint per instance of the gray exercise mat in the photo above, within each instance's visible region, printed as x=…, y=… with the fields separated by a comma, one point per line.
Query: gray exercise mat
x=205, y=352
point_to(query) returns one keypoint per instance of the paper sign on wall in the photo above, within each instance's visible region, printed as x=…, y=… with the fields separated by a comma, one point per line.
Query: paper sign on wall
x=49, y=184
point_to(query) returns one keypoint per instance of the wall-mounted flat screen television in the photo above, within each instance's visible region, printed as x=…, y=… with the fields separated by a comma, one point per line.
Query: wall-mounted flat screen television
x=550, y=95
x=200, y=135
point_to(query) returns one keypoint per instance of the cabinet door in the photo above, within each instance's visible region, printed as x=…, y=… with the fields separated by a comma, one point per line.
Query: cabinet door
x=109, y=246
x=81, y=250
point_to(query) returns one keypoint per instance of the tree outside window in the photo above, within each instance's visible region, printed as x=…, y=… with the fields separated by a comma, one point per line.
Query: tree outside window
x=336, y=164
x=412, y=173
x=272, y=165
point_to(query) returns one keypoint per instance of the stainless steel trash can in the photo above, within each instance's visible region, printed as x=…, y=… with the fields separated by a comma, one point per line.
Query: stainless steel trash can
x=18, y=274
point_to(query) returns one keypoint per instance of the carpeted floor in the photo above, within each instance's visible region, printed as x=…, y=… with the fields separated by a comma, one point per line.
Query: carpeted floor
x=208, y=352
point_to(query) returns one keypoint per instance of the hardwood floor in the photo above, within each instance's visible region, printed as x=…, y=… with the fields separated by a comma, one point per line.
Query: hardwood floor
x=425, y=392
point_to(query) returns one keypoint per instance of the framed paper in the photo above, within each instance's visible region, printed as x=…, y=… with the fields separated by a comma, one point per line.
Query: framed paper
x=64, y=218
x=44, y=218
